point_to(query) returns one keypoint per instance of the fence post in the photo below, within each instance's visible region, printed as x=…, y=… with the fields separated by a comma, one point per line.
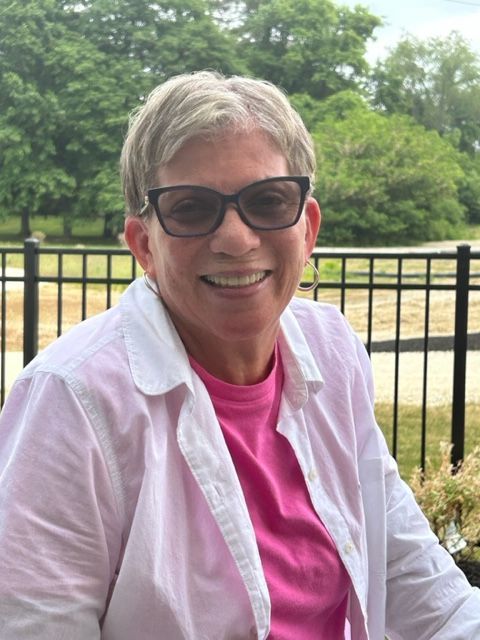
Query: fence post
x=460, y=352
x=30, y=299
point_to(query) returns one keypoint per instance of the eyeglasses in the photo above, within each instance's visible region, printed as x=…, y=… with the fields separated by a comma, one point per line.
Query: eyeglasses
x=188, y=211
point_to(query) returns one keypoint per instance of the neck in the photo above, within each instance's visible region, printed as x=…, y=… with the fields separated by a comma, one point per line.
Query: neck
x=239, y=363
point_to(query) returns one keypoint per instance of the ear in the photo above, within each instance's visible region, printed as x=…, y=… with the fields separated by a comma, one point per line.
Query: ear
x=137, y=238
x=313, y=218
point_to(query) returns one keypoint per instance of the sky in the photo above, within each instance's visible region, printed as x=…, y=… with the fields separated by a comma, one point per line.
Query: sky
x=421, y=18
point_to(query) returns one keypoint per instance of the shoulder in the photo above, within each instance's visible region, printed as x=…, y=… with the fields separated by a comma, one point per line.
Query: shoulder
x=77, y=382
x=322, y=324
x=324, y=331
x=92, y=341
x=310, y=310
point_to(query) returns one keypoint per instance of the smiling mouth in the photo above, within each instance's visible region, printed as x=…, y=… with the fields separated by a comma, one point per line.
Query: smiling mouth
x=235, y=281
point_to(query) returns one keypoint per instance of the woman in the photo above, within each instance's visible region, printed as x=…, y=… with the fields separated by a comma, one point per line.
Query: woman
x=202, y=461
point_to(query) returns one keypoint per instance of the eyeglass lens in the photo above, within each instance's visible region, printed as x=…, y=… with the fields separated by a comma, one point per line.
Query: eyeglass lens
x=271, y=204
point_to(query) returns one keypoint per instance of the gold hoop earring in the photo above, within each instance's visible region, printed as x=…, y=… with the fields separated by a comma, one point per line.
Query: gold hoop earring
x=316, y=279
x=150, y=286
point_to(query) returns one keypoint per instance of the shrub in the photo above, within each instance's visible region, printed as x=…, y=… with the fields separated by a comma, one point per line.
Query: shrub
x=38, y=235
x=450, y=499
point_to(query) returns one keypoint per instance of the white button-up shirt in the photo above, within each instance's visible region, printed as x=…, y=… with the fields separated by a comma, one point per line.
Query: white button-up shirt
x=122, y=517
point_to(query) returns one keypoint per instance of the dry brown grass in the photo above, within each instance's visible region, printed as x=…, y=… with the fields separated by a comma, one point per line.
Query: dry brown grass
x=70, y=312
x=413, y=304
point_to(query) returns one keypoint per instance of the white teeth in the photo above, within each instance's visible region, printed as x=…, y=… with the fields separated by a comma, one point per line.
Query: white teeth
x=236, y=281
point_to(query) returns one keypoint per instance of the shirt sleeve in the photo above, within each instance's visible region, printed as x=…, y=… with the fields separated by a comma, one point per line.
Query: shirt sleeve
x=427, y=596
x=60, y=532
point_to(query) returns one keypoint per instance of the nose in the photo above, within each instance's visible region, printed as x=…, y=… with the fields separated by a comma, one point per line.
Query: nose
x=233, y=237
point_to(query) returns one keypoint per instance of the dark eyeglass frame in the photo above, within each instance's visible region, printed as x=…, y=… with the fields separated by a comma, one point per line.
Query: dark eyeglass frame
x=152, y=197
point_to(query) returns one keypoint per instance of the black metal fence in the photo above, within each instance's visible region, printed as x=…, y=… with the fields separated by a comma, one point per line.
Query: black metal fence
x=451, y=325
x=400, y=302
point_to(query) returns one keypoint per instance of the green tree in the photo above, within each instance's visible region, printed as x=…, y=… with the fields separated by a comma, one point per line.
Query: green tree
x=29, y=175
x=437, y=82
x=164, y=38
x=314, y=111
x=63, y=106
x=469, y=193
x=311, y=46
x=384, y=180
x=69, y=75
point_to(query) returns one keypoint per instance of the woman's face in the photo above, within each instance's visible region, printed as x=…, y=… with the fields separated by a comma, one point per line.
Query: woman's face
x=231, y=286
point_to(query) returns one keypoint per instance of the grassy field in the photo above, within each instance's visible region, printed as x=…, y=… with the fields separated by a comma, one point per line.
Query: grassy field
x=51, y=228
x=438, y=429
x=91, y=231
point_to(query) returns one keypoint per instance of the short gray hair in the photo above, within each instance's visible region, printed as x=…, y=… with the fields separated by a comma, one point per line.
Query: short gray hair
x=206, y=103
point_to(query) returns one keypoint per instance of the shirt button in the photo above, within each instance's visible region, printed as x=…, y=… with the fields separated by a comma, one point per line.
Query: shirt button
x=312, y=475
x=349, y=547
x=253, y=633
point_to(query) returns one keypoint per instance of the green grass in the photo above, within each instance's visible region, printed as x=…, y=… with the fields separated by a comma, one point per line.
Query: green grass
x=473, y=232
x=72, y=265
x=438, y=429
x=83, y=231
x=92, y=230
x=87, y=233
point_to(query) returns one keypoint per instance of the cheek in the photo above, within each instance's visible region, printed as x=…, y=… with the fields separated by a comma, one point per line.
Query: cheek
x=294, y=251
x=173, y=265
x=161, y=262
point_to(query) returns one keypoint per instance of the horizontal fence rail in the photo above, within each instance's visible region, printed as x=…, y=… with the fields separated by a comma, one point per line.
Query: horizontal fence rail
x=400, y=302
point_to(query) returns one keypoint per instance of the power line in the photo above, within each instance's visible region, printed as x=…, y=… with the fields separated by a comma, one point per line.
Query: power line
x=471, y=4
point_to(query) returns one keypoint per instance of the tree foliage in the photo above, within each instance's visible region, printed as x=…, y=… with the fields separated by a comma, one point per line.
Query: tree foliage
x=29, y=175
x=71, y=71
x=437, y=82
x=164, y=38
x=385, y=180
x=69, y=75
x=63, y=106
x=311, y=46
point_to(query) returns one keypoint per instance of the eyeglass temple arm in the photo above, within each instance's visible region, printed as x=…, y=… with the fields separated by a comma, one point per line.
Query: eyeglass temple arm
x=146, y=204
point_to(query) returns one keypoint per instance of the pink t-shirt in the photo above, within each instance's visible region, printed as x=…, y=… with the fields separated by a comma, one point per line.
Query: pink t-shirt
x=306, y=579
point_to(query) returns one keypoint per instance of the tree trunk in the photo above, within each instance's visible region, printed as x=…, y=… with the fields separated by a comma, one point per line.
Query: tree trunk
x=25, y=223
x=67, y=226
x=106, y=225
x=111, y=226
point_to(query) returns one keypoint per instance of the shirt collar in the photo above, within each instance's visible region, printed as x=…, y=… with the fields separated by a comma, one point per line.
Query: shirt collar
x=302, y=374
x=156, y=355
x=158, y=360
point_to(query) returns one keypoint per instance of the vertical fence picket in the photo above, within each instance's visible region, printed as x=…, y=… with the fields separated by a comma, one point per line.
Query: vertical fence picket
x=426, y=334
x=30, y=300
x=3, y=337
x=460, y=352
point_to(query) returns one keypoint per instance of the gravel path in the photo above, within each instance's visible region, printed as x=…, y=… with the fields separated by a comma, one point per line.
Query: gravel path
x=440, y=377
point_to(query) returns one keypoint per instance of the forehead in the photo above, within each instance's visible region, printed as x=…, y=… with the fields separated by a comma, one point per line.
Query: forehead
x=228, y=161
